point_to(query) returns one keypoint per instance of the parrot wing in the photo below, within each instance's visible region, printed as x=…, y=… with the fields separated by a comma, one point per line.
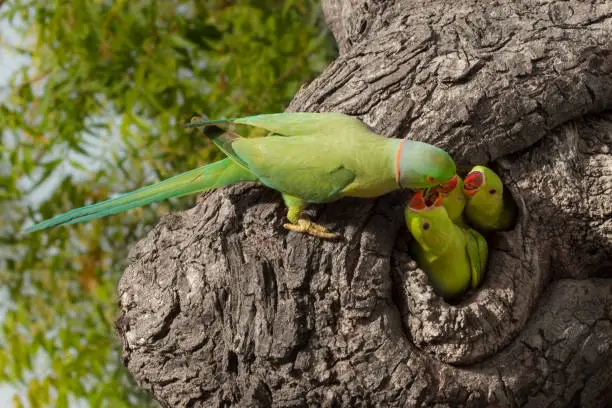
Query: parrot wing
x=291, y=166
x=283, y=164
x=330, y=124
x=223, y=140
x=477, y=253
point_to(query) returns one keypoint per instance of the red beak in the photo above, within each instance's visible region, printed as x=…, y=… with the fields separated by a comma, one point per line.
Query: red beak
x=417, y=202
x=472, y=183
x=439, y=201
x=449, y=185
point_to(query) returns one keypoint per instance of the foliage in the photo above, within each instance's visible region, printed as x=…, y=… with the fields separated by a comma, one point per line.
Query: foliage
x=98, y=112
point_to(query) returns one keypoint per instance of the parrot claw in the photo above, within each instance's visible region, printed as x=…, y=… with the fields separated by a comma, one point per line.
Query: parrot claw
x=309, y=227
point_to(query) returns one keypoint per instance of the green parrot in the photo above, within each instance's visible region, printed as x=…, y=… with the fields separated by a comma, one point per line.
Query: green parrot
x=310, y=158
x=487, y=208
x=453, y=198
x=454, y=257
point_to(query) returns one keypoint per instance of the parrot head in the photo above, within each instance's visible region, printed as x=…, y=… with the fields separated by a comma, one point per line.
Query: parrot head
x=428, y=221
x=421, y=165
x=482, y=182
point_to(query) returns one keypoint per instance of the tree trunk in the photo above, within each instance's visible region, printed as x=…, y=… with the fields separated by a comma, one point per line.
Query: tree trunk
x=220, y=306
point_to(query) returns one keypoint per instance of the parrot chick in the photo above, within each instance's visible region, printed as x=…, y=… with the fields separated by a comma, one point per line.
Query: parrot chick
x=487, y=208
x=453, y=257
x=453, y=198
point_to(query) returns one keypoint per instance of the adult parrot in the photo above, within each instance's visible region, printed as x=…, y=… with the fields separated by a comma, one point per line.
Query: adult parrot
x=310, y=158
x=487, y=208
x=454, y=258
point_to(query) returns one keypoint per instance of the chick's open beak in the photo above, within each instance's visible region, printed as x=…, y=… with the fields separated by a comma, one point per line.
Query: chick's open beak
x=433, y=196
x=421, y=201
x=472, y=183
x=449, y=185
x=417, y=202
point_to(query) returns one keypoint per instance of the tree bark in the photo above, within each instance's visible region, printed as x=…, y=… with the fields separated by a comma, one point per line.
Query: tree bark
x=220, y=306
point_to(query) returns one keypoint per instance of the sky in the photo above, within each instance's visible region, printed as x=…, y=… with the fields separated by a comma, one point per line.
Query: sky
x=8, y=64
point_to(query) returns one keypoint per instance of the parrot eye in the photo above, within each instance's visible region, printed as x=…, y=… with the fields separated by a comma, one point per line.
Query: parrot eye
x=492, y=191
x=431, y=179
x=425, y=225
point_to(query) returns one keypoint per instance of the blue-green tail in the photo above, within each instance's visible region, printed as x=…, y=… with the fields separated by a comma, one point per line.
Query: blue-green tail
x=217, y=174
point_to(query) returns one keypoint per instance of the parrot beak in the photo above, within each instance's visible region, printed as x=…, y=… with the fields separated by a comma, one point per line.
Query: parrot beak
x=472, y=183
x=439, y=200
x=417, y=202
x=422, y=202
x=434, y=196
x=449, y=185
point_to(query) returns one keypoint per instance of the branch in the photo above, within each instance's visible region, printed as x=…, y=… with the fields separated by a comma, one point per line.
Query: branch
x=221, y=306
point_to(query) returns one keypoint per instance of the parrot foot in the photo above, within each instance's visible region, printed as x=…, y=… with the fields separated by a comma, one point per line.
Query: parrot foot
x=309, y=227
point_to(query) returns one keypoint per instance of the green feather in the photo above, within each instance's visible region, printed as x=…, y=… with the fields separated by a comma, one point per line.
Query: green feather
x=206, y=122
x=477, y=251
x=221, y=173
x=223, y=140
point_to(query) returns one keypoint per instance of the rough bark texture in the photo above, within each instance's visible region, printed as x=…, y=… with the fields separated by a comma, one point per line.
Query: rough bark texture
x=220, y=306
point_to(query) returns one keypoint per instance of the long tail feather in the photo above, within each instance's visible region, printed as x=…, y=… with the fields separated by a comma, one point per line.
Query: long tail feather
x=218, y=174
x=195, y=123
